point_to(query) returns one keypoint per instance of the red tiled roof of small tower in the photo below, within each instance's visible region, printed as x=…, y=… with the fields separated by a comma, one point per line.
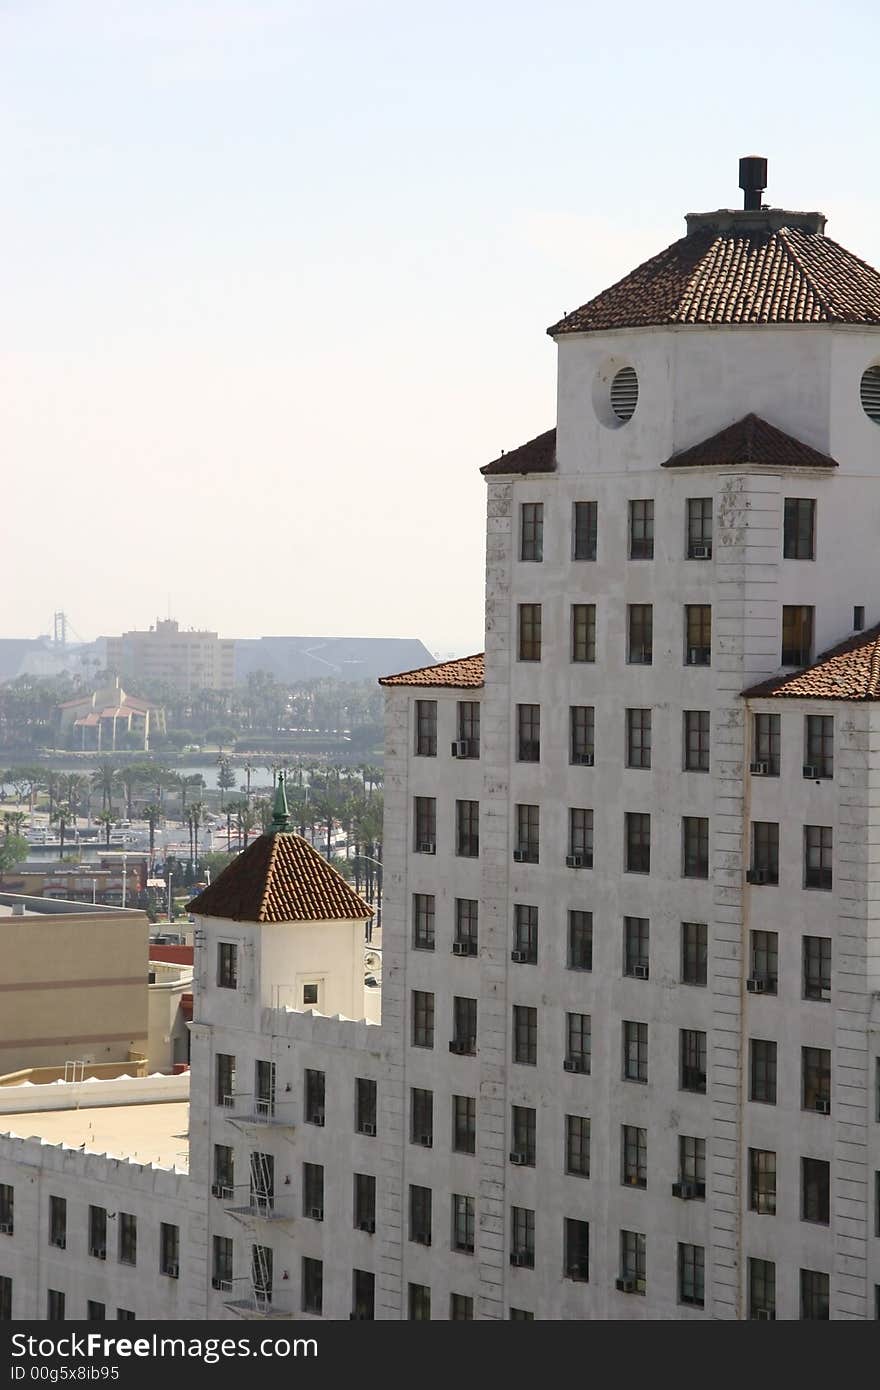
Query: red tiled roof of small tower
x=467, y=673
x=536, y=456
x=751, y=440
x=280, y=878
x=849, y=671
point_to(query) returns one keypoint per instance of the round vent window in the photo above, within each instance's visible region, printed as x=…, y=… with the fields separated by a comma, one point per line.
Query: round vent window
x=870, y=394
x=625, y=393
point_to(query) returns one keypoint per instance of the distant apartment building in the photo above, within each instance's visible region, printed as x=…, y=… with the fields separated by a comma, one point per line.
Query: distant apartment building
x=184, y=659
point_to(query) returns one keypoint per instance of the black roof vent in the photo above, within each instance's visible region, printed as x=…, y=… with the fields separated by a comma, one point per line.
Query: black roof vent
x=752, y=180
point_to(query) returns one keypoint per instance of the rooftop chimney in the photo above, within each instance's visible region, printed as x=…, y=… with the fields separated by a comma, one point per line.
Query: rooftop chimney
x=752, y=180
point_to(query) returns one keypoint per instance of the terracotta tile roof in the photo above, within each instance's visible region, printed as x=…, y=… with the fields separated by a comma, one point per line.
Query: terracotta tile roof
x=467, y=673
x=537, y=456
x=850, y=671
x=280, y=878
x=751, y=440
x=734, y=271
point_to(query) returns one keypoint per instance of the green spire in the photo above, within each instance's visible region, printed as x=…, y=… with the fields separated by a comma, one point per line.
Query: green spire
x=280, y=811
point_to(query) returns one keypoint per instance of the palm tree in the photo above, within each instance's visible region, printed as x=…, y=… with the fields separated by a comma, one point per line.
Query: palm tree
x=104, y=781
x=152, y=815
x=131, y=777
x=106, y=818
x=75, y=783
x=184, y=784
x=196, y=811
x=61, y=816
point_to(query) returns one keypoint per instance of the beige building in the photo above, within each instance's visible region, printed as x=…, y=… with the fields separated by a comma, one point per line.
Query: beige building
x=72, y=983
x=184, y=659
x=108, y=719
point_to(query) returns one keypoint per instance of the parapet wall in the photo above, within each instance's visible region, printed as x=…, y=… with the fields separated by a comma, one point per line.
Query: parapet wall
x=76, y=1095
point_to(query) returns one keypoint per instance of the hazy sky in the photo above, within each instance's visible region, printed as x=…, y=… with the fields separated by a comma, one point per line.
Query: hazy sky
x=275, y=274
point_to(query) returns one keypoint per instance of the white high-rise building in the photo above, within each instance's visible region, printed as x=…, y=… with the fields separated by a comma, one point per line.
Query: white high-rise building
x=628, y=1063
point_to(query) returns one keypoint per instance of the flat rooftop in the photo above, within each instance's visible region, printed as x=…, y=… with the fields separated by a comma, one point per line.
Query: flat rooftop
x=24, y=905
x=157, y=1133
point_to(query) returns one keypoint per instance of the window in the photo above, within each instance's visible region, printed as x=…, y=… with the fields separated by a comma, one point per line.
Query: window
x=227, y=965
x=582, y=735
x=529, y=645
x=224, y=1173
x=858, y=617
x=365, y=1106
x=55, y=1305
x=699, y=528
x=426, y=728
x=579, y=1043
x=641, y=529
x=264, y=1088
x=310, y=994
x=7, y=1209
x=315, y=1092
x=765, y=740
x=762, y=1289
x=531, y=531
x=693, y=1060
x=583, y=632
x=125, y=1315
x=692, y=1164
x=525, y=934
x=528, y=733
x=96, y=1312
x=221, y=1266
x=520, y=1315
x=523, y=1142
x=469, y=726
x=421, y=1117
x=694, y=953
x=463, y=1223
x=127, y=1238
x=58, y=1222
x=576, y=1247
x=632, y=1262
x=817, y=967
x=169, y=1250
x=422, y=1018
x=816, y=1191
x=580, y=838
x=5, y=1298
x=814, y=1295
x=640, y=634
x=464, y=1026
x=419, y=1303
x=819, y=745
x=762, y=1070
x=816, y=1079
x=423, y=921
x=763, y=962
x=817, y=856
x=580, y=940
x=364, y=1206
x=697, y=738
x=464, y=1125
x=762, y=1181
x=691, y=1275
x=577, y=1146
x=638, y=842
x=522, y=1237
x=467, y=829
x=799, y=529
x=420, y=1214
x=425, y=818
x=461, y=1307
x=525, y=1035
x=466, y=925
x=695, y=846
x=765, y=852
x=363, y=1295
x=585, y=519
x=638, y=738
x=797, y=635
x=527, y=834
x=635, y=947
x=634, y=1156
x=698, y=634
x=225, y=1093
x=312, y=1286
x=635, y=1051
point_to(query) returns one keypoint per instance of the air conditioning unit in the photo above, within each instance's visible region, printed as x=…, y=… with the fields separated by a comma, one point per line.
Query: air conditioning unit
x=763, y=1314
x=520, y=856
x=172, y=1271
x=224, y=1285
x=577, y=1270
x=519, y=1159
x=756, y=876
x=823, y=1107
x=574, y=861
x=825, y=995
x=98, y=1252
x=640, y=972
x=219, y=1189
x=521, y=957
x=6, y=1229
x=462, y=1047
x=578, y=1064
x=701, y=552
x=367, y=1225
x=316, y=1213
x=810, y=770
x=368, y=1128
x=759, y=769
x=426, y=1140
x=427, y=847
x=460, y=948
x=519, y=1259
x=60, y=1242
x=697, y=656
x=625, y=1285
x=317, y=1116
x=584, y=759
x=685, y=1190
x=229, y=1102
x=756, y=984
x=461, y=748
